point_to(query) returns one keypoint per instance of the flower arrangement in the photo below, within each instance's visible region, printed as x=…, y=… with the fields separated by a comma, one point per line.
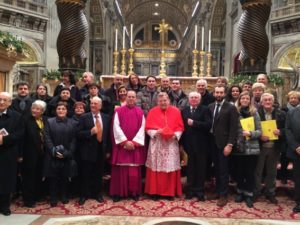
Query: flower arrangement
x=13, y=44
x=51, y=75
x=274, y=79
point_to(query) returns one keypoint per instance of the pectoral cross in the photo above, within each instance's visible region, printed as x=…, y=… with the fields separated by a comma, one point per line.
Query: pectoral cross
x=163, y=29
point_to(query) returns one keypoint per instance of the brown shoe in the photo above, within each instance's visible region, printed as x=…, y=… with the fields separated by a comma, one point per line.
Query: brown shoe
x=222, y=201
x=213, y=196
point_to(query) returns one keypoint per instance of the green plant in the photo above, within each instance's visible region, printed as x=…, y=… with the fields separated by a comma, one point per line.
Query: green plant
x=274, y=79
x=12, y=43
x=51, y=75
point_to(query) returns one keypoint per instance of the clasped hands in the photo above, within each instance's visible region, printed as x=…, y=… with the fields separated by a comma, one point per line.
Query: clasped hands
x=129, y=145
x=159, y=131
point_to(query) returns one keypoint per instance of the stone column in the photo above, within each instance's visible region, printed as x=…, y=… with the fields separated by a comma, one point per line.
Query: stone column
x=73, y=33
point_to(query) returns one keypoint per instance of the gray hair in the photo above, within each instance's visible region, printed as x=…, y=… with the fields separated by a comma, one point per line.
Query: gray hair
x=266, y=95
x=6, y=94
x=96, y=98
x=258, y=85
x=202, y=81
x=90, y=74
x=39, y=103
x=194, y=93
x=162, y=94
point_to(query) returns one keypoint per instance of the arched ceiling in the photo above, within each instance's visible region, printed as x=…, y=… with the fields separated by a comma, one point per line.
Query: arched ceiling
x=177, y=13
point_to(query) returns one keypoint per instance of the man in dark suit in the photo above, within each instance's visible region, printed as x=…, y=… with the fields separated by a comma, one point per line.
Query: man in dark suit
x=293, y=140
x=93, y=137
x=11, y=132
x=197, y=123
x=22, y=102
x=224, y=132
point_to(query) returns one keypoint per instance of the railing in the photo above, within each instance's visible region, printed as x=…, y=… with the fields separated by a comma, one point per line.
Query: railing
x=286, y=11
x=37, y=6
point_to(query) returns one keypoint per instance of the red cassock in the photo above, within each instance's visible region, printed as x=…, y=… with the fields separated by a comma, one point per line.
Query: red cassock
x=163, y=160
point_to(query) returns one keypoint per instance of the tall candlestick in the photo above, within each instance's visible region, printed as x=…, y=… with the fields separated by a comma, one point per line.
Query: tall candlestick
x=209, y=40
x=123, y=43
x=131, y=34
x=196, y=27
x=116, y=41
x=202, y=39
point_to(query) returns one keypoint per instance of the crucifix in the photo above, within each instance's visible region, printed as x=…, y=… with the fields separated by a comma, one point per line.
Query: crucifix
x=163, y=30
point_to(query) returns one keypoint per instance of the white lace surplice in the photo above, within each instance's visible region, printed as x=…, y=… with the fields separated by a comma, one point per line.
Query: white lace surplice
x=163, y=155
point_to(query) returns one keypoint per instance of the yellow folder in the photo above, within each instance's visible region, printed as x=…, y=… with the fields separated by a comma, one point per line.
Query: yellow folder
x=248, y=124
x=267, y=128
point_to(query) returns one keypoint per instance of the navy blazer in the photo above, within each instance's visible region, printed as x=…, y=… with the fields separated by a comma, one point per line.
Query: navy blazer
x=89, y=147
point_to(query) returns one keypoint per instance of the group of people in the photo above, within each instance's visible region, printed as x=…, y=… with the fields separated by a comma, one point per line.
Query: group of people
x=142, y=131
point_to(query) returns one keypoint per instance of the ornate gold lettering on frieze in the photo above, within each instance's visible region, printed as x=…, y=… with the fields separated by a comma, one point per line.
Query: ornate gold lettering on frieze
x=153, y=55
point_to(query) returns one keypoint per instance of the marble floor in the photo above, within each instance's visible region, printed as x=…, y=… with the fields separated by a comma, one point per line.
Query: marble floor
x=20, y=219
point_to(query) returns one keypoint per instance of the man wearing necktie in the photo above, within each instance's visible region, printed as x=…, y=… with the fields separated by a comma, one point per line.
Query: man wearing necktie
x=224, y=132
x=197, y=122
x=94, y=138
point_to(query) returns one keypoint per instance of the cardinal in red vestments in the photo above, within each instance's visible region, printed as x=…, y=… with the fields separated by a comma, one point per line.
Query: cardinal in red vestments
x=164, y=125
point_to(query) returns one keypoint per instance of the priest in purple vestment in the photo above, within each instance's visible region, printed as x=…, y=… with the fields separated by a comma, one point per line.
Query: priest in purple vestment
x=128, y=152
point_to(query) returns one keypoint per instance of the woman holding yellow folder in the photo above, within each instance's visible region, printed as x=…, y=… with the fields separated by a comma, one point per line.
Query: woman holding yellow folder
x=247, y=149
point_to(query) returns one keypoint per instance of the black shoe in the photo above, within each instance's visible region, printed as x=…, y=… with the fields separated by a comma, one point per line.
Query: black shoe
x=53, y=203
x=155, y=197
x=249, y=202
x=5, y=212
x=296, y=209
x=116, y=198
x=99, y=199
x=82, y=201
x=136, y=198
x=169, y=198
x=29, y=204
x=272, y=199
x=239, y=198
x=188, y=196
x=64, y=200
x=201, y=198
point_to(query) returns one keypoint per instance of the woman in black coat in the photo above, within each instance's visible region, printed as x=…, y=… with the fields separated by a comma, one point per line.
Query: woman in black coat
x=60, y=143
x=33, y=154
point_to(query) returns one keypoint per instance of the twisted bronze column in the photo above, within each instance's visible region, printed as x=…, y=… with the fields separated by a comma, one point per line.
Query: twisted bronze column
x=253, y=36
x=74, y=31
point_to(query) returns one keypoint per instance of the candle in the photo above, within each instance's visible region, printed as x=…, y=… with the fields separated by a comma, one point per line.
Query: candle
x=209, y=40
x=131, y=34
x=202, y=39
x=123, y=43
x=116, y=41
x=196, y=27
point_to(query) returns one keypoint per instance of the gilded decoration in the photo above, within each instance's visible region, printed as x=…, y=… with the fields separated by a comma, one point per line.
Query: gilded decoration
x=31, y=57
x=154, y=55
x=291, y=59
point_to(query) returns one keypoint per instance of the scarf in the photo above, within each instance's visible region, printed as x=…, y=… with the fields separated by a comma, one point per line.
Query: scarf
x=22, y=101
